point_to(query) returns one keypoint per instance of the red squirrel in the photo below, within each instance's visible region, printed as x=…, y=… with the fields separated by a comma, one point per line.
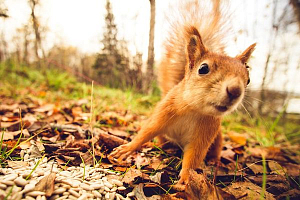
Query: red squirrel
x=199, y=84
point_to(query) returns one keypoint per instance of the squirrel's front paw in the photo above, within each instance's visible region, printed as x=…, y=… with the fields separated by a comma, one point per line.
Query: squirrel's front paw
x=184, y=177
x=183, y=181
x=122, y=152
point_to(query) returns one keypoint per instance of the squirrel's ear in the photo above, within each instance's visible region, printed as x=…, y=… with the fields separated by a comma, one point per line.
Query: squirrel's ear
x=195, y=47
x=244, y=57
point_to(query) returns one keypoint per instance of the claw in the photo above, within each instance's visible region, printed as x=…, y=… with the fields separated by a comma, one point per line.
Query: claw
x=184, y=177
x=122, y=152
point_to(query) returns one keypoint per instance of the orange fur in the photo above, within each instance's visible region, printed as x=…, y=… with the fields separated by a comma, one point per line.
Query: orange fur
x=194, y=102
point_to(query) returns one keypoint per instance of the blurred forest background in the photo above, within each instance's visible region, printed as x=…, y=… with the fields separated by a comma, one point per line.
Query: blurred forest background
x=121, y=64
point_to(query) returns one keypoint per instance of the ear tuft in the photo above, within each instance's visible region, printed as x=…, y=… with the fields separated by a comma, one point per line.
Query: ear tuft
x=244, y=57
x=195, y=47
x=193, y=41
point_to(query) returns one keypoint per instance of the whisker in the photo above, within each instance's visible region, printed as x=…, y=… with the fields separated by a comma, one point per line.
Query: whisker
x=256, y=99
x=246, y=110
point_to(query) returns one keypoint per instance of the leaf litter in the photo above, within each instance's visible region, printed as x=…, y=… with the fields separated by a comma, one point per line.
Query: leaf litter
x=63, y=133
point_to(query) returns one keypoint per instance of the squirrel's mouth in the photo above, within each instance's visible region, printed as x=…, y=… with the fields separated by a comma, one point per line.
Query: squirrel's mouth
x=221, y=108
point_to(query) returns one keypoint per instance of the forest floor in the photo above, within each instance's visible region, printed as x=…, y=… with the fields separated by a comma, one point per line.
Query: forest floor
x=56, y=135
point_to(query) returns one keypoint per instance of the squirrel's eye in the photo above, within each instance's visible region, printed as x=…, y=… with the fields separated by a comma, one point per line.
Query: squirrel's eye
x=248, y=81
x=204, y=69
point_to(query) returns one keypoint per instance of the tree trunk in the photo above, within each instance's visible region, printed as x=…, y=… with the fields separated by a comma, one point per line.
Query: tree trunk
x=296, y=6
x=150, y=63
x=38, y=40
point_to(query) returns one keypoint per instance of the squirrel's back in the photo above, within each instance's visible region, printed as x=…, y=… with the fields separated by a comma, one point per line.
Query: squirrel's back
x=211, y=22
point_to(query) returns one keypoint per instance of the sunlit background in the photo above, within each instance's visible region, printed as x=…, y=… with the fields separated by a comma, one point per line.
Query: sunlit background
x=78, y=26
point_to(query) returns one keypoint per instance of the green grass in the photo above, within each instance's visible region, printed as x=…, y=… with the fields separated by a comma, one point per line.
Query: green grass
x=55, y=86
x=265, y=130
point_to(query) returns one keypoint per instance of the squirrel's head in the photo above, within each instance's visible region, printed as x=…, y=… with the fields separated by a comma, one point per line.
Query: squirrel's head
x=214, y=83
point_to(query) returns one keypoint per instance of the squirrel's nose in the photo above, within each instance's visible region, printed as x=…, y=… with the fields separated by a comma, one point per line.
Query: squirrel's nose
x=233, y=91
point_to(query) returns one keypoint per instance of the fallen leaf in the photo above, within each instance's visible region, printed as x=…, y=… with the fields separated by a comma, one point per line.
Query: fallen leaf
x=139, y=193
x=246, y=190
x=276, y=168
x=156, y=177
x=132, y=174
x=38, y=126
x=12, y=134
x=157, y=164
x=176, y=196
x=292, y=169
x=76, y=111
x=255, y=168
x=10, y=119
x=46, y=184
x=15, y=126
x=5, y=108
x=7, y=135
x=140, y=160
x=120, y=168
x=110, y=141
x=45, y=108
x=292, y=194
x=87, y=158
x=270, y=153
x=17, y=164
x=199, y=187
x=228, y=154
x=119, y=133
x=25, y=145
x=237, y=138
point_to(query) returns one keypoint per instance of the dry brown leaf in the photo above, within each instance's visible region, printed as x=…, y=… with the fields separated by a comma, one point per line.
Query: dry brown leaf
x=139, y=192
x=157, y=164
x=10, y=119
x=176, y=196
x=270, y=153
x=15, y=126
x=119, y=133
x=11, y=144
x=228, y=154
x=10, y=134
x=140, y=160
x=156, y=177
x=256, y=168
x=276, y=168
x=17, y=164
x=87, y=158
x=25, y=145
x=45, y=108
x=237, y=138
x=7, y=135
x=199, y=188
x=292, y=169
x=292, y=194
x=46, y=184
x=120, y=168
x=6, y=108
x=76, y=111
x=131, y=174
x=246, y=190
x=110, y=141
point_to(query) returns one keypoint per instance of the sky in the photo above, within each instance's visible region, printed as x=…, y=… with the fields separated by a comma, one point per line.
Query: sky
x=80, y=23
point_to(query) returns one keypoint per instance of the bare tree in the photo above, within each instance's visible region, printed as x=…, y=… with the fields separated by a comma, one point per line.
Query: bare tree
x=150, y=62
x=277, y=58
x=3, y=44
x=3, y=10
x=296, y=6
x=37, y=31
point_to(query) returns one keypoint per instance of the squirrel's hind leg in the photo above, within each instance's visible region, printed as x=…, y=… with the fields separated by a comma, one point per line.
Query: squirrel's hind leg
x=161, y=140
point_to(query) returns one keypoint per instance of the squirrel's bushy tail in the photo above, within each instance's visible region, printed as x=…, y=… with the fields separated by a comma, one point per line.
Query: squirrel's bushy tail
x=210, y=18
